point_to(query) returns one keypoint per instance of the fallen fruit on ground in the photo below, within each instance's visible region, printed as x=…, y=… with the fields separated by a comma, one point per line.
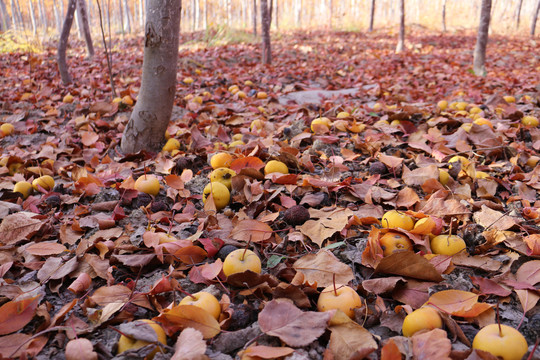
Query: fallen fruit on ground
x=339, y=297
x=393, y=241
x=148, y=184
x=241, y=260
x=275, y=166
x=127, y=343
x=396, y=219
x=45, y=181
x=221, y=159
x=205, y=301
x=321, y=124
x=24, y=188
x=425, y=318
x=220, y=193
x=171, y=144
x=447, y=245
x=6, y=129
x=222, y=175
x=530, y=121
x=506, y=344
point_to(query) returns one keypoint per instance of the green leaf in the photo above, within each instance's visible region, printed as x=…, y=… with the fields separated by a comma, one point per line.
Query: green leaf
x=335, y=245
x=274, y=260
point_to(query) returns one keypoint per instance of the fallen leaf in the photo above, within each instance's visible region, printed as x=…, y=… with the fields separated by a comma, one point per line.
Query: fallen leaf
x=458, y=303
x=251, y=230
x=409, y=264
x=189, y=316
x=80, y=349
x=267, y=352
x=190, y=345
x=46, y=248
x=19, y=226
x=323, y=269
x=390, y=351
x=490, y=218
x=14, y=315
x=350, y=340
x=433, y=344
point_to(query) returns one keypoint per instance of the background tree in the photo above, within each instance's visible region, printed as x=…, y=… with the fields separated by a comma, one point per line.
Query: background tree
x=401, y=38
x=518, y=13
x=535, y=18
x=62, y=44
x=444, y=16
x=83, y=16
x=254, y=17
x=152, y=113
x=266, y=21
x=4, y=19
x=371, y=15
x=479, y=60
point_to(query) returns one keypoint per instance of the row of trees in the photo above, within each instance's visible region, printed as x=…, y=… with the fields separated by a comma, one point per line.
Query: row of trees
x=44, y=17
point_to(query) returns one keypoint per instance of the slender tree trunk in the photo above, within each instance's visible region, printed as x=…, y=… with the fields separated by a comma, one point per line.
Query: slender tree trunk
x=444, y=16
x=205, y=14
x=57, y=17
x=78, y=25
x=401, y=39
x=128, y=16
x=32, y=17
x=535, y=18
x=266, y=21
x=254, y=17
x=152, y=113
x=276, y=15
x=371, y=15
x=330, y=13
x=518, y=13
x=83, y=17
x=62, y=45
x=42, y=15
x=6, y=24
x=141, y=12
x=120, y=13
x=479, y=62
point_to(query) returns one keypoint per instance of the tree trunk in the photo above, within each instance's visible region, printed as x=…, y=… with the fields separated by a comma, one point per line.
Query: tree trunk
x=152, y=113
x=6, y=24
x=518, y=13
x=128, y=16
x=535, y=18
x=401, y=39
x=120, y=13
x=42, y=15
x=444, y=16
x=266, y=21
x=141, y=14
x=276, y=15
x=330, y=13
x=57, y=17
x=479, y=62
x=62, y=45
x=371, y=16
x=32, y=17
x=85, y=26
x=254, y=17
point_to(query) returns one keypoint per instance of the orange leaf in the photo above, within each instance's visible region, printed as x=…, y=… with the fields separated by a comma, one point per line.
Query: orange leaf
x=251, y=230
x=458, y=303
x=268, y=352
x=14, y=315
x=45, y=249
x=185, y=316
x=247, y=162
x=89, y=138
x=191, y=254
x=81, y=284
x=533, y=243
x=390, y=351
x=175, y=182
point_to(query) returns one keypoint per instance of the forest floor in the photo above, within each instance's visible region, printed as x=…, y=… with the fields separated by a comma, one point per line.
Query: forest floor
x=391, y=147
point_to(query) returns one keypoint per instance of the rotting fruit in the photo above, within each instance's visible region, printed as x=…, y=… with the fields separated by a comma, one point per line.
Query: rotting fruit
x=205, y=301
x=506, y=344
x=241, y=260
x=126, y=343
x=220, y=193
x=397, y=219
x=339, y=297
x=223, y=175
x=424, y=318
x=393, y=242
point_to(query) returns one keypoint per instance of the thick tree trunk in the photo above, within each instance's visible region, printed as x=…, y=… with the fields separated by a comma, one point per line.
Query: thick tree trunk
x=152, y=113
x=535, y=18
x=479, y=62
x=444, y=16
x=85, y=27
x=401, y=39
x=62, y=45
x=266, y=21
x=371, y=15
x=254, y=17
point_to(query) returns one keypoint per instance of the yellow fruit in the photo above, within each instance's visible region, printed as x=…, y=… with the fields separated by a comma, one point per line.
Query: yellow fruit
x=340, y=297
x=171, y=144
x=68, y=99
x=236, y=137
x=483, y=121
x=274, y=166
x=395, y=123
x=148, y=184
x=393, y=242
x=530, y=121
x=382, y=122
x=532, y=161
x=396, y=219
x=23, y=187
x=475, y=110
x=461, y=105
x=6, y=129
x=222, y=175
x=117, y=100
x=509, y=99
x=377, y=107
x=241, y=260
x=236, y=143
x=425, y=318
x=256, y=125
x=481, y=175
x=127, y=100
x=220, y=193
x=241, y=94
x=447, y=245
x=443, y=105
x=233, y=88
x=466, y=126
x=508, y=344
x=188, y=80
x=321, y=124
x=221, y=159
x=45, y=181
x=262, y=95
x=458, y=158
x=205, y=301
x=248, y=83
x=127, y=343
x=198, y=99
x=444, y=177
x=343, y=115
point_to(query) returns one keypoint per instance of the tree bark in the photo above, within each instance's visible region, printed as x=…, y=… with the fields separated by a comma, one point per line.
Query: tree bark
x=85, y=26
x=479, y=62
x=128, y=16
x=444, y=16
x=254, y=17
x=152, y=113
x=32, y=17
x=120, y=13
x=266, y=21
x=518, y=13
x=42, y=15
x=62, y=45
x=57, y=17
x=535, y=18
x=371, y=15
x=6, y=24
x=401, y=39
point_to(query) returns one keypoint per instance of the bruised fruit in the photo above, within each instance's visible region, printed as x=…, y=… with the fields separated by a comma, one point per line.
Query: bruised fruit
x=393, y=242
x=223, y=175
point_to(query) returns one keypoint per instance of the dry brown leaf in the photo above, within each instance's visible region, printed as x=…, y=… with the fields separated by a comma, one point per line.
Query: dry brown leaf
x=490, y=218
x=418, y=177
x=528, y=299
x=433, y=344
x=458, y=303
x=293, y=326
x=46, y=248
x=322, y=267
x=56, y=268
x=251, y=230
x=382, y=285
x=267, y=352
x=190, y=316
x=390, y=351
x=11, y=346
x=407, y=263
x=351, y=340
x=190, y=346
x=529, y=272
x=80, y=349
x=118, y=294
x=14, y=315
x=19, y=226
x=328, y=224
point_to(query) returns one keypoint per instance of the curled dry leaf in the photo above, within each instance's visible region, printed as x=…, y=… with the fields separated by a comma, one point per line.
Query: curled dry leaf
x=321, y=269
x=407, y=263
x=185, y=316
x=458, y=303
x=81, y=284
x=80, y=349
x=293, y=326
x=190, y=346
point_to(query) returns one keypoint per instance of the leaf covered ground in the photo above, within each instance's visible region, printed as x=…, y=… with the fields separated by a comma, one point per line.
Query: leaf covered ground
x=385, y=148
